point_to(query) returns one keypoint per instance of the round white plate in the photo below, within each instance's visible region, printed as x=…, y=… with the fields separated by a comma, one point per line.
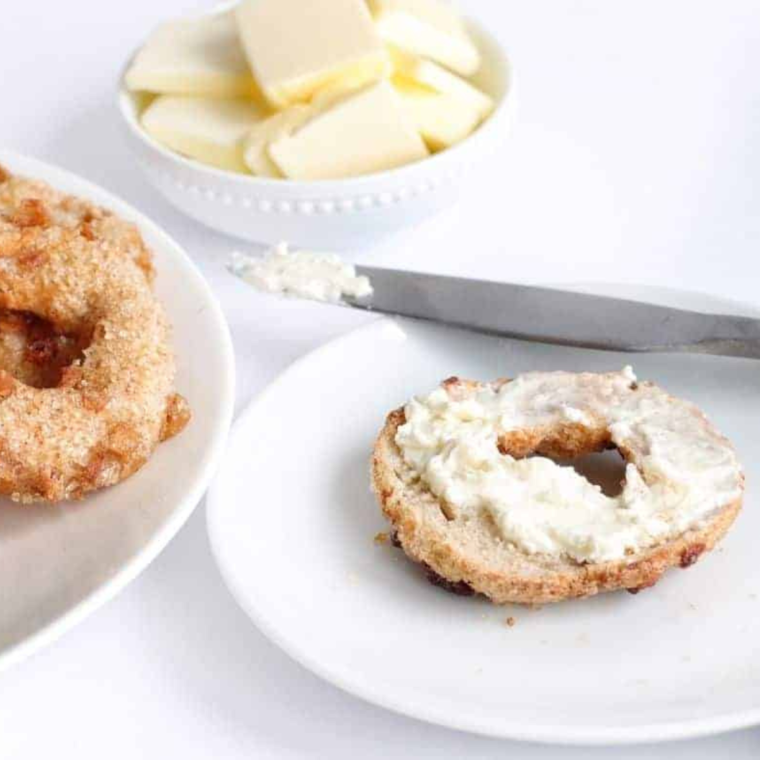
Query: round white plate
x=59, y=563
x=292, y=522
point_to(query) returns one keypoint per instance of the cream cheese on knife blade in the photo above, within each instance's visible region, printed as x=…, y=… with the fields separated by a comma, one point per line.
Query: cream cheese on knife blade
x=321, y=277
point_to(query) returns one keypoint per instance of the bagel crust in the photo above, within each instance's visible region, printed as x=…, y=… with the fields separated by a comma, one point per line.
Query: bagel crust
x=468, y=552
x=87, y=378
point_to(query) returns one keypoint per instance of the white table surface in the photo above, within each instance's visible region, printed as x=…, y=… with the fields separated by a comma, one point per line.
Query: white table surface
x=636, y=158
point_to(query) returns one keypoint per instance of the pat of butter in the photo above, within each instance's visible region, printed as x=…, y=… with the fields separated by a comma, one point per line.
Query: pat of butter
x=441, y=119
x=429, y=74
x=365, y=132
x=209, y=130
x=430, y=28
x=276, y=127
x=296, y=47
x=193, y=57
x=337, y=90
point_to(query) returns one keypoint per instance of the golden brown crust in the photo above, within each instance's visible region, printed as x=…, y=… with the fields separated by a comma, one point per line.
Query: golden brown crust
x=430, y=539
x=35, y=203
x=176, y=418
x=86, y=391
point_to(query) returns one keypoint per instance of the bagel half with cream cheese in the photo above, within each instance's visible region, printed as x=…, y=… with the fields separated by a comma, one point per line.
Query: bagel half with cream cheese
x=467, y=478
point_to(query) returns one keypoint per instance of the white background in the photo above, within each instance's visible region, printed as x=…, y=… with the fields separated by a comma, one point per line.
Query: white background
x=636, y=158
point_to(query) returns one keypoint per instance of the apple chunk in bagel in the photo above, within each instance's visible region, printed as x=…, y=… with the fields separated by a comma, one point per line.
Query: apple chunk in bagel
x=467, y=477
x=97, y=420
x=31, y=202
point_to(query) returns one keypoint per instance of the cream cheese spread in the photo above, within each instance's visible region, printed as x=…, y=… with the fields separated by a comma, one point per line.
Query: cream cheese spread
x=314, y=276
x=679, y=471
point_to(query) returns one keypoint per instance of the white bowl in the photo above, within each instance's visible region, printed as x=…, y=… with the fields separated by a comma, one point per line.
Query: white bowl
x=331, y=214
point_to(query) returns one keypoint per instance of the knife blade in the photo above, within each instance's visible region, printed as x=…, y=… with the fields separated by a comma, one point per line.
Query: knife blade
x=561, y=317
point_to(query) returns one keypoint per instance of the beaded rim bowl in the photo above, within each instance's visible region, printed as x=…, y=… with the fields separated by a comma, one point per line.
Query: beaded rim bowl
x=343, y=213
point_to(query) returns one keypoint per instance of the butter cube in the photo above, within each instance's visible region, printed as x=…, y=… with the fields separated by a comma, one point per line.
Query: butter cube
x=367, y=131
x=296, y=47
x=430, y=28
x=337, y=90
x=276, y=127
x=429, y=74
x=441, y=119
x=207, y=129
x=193, y=57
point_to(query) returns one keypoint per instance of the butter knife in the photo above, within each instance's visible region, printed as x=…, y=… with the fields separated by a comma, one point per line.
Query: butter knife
x=544, y=315
x=547, y=315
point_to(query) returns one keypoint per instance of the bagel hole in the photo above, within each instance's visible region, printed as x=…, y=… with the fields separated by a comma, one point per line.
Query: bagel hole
x=592, y=455
x=36, y=352
x=605, y=469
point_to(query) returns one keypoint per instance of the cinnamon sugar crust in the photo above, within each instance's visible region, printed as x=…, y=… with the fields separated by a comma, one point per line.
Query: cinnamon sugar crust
x=87, y=380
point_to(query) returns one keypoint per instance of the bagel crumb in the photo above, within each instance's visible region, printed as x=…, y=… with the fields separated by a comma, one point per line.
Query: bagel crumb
x=381, y=538
x=511, y=622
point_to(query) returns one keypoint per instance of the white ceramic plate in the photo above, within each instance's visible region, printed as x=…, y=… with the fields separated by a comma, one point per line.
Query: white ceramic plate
x=292, y=522
x=59, y=563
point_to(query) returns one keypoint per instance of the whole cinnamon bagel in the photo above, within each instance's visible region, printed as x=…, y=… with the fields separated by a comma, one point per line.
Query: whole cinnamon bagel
x=86, y=371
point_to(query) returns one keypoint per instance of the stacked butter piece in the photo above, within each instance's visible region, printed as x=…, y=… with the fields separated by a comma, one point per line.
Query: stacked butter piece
x=312, y=89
